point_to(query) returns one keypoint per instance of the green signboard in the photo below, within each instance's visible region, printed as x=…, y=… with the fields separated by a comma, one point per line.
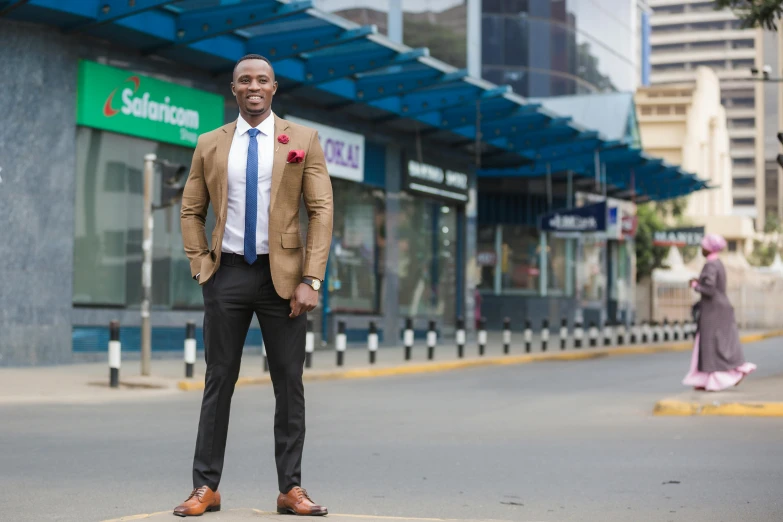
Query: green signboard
x=120, y=101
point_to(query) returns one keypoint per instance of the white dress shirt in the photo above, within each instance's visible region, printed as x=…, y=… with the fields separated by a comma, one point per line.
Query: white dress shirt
x=234, y=235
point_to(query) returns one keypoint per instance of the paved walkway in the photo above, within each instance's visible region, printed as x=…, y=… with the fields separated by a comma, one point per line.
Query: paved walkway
x=240, y=515
x=88, y=382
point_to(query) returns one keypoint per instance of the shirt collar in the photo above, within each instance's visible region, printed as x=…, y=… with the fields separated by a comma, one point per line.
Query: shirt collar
x=267, y=127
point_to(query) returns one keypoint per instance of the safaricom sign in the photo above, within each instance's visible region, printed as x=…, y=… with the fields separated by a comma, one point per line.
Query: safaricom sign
x=344, y=151
x=143, y=107
x=126, y=102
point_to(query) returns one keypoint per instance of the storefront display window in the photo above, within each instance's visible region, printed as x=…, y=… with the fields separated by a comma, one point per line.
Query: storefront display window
x=520, y=259
x=557, y=255
x=591, y=271
x=358, y=243
x=486, y=256
x=109, y=210
x=428, y=258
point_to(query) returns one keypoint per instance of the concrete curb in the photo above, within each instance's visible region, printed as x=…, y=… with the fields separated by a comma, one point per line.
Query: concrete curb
x=676, y=408
x=436, y=367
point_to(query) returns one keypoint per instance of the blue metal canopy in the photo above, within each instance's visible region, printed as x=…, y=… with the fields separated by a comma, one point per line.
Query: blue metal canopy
x=337, y=64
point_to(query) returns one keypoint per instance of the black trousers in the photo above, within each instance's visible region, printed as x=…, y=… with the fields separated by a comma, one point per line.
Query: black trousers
x=235, y=292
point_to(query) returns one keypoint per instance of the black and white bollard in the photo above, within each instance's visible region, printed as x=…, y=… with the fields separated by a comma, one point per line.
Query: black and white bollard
x=190, y=348
x=506, y=336
x=528, y=337
x=432, y=340
x=657, y=332
x=372, y=342
x=309, y=344
x=645, y=332
x=563, y=333
x=621, y=334
x=407, y=338
x=482, y=335
x=115, y=354
x=266, y=359
x=607, y=333
x=341, y=342
x=634, y=332
x=593, y=334
x=667, y=330
x=460, y=337
x=544, y=335
x=579, y=334
x=676, y=331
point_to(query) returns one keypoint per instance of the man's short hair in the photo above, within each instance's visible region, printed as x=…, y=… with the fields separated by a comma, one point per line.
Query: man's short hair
x=253, y=57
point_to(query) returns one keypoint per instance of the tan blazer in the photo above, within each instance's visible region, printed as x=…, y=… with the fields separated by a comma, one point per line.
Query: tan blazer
x=208, y=182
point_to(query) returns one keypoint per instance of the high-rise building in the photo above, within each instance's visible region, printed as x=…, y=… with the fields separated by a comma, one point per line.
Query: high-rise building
x=687, y=34
x=556, y=48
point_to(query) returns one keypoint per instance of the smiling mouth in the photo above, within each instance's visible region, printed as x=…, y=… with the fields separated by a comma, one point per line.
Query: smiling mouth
x=254, y=98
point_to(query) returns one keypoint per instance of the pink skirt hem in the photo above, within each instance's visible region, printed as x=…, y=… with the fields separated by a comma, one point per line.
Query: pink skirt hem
x=714, y=381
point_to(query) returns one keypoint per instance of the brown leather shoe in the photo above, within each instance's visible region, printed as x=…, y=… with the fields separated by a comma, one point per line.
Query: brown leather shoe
x=200, y=501
x=298, y=502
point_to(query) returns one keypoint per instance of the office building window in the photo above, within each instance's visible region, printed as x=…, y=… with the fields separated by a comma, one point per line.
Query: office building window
x=744, y=182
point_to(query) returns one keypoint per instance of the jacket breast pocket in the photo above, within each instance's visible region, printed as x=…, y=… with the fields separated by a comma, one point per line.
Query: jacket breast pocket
x=291, y=240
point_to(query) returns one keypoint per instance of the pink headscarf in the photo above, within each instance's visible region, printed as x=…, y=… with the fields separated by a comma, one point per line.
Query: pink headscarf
x=713, y=243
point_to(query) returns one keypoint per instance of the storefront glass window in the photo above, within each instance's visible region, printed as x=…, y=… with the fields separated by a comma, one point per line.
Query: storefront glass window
x=591, y=271
x=356, y=259
x=486, y=256
x=557, y=264
x=109, y=210
x=427, y=258
x=520, y=260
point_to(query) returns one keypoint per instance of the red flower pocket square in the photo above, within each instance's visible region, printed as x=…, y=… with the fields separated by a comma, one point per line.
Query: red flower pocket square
x=296, y=156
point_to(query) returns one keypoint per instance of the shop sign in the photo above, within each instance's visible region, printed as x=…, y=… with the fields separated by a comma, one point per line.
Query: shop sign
x=590, y=218
x=621, y=224
x=435, y=181
x=679, y=237
x=344, y=151
x=127, y=103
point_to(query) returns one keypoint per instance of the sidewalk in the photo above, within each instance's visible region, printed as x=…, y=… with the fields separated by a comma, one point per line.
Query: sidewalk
x=752, y=398
x=88, y=382
x=238, y=515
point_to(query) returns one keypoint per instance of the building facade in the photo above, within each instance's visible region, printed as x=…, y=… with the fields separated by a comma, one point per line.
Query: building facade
x=690, y=34
x=686, y=124
x=556, y=48
x=75, y=219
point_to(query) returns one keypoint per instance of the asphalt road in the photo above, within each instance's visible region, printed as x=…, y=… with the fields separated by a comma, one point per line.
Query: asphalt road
x=560, y=441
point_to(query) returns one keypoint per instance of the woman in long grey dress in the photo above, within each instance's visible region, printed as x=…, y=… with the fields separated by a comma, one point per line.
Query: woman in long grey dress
x=718, y=361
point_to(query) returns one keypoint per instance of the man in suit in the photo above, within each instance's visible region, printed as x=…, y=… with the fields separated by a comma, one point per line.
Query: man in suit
x=255, y=171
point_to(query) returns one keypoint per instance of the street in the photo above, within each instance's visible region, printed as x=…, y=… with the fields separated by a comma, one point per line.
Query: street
x=552, y=441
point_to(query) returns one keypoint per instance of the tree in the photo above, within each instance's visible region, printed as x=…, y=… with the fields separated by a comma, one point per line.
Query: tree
x=648, y=257
x=763, y=254
x=755, y=13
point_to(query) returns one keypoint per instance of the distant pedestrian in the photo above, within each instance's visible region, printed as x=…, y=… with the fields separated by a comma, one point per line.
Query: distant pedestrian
x=718, y=361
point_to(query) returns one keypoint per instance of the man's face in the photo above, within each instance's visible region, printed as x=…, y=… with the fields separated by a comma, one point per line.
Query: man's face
x=254, y=86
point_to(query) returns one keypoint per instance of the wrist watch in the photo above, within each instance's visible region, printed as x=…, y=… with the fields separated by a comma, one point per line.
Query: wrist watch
x=315, y=283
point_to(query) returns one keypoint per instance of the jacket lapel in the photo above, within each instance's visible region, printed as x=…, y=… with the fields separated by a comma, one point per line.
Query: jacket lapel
x=221, y=159
x=281, y=155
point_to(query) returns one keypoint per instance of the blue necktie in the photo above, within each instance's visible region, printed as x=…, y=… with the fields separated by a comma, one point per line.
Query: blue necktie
x=251, y=198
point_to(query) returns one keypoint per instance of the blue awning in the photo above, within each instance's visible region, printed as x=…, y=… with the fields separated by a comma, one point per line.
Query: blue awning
x=336, y=64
